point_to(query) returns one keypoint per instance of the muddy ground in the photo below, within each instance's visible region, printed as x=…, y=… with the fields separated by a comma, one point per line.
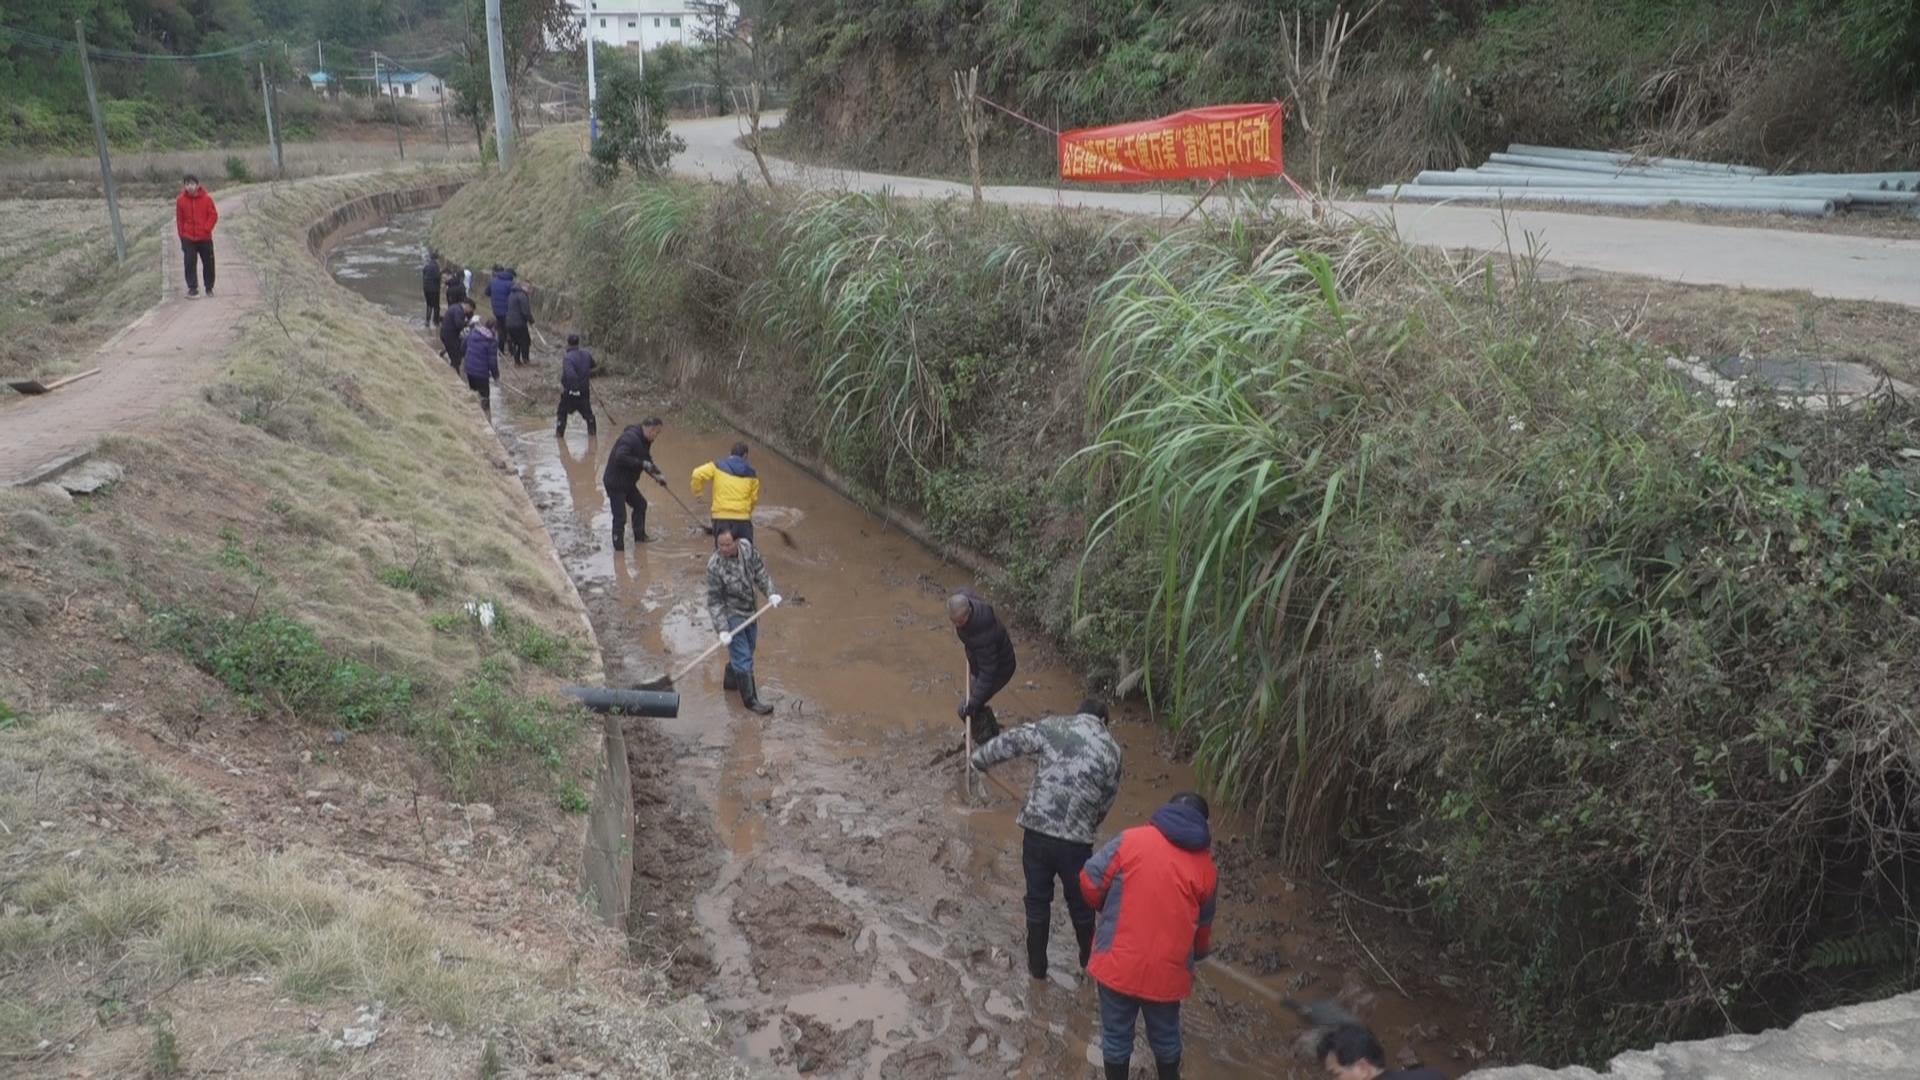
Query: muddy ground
x=819, y=874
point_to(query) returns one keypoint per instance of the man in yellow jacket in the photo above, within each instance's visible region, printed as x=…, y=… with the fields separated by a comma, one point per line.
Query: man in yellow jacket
x=736, y=490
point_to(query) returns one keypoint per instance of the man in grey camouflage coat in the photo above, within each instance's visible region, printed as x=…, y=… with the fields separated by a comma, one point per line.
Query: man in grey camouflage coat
x=734, y=572
x=1077, y=781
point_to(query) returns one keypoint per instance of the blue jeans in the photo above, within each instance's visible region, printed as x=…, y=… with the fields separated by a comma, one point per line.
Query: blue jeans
x=740, y=653
x=1117, y=1012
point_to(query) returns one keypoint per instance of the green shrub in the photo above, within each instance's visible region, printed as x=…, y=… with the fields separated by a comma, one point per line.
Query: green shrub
x=276, y=664
x=484, y=723
x=237, y=170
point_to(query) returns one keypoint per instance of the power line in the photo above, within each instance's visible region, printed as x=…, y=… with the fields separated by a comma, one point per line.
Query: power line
x=41, y=41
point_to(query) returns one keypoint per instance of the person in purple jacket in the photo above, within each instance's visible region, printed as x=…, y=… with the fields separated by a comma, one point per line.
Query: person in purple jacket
x=482, y=363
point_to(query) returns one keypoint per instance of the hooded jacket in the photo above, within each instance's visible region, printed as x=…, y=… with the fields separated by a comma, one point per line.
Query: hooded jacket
x=632, y=454
x=736, y=487
x=519, y=308
x=430, y=276
x=456, y=288
x=1154, y=888
x=989, y=649
x=731, y=583
x=483, y=353
x=498, y=290
x=194, y=216
x=576, y=371
x=1078, y=777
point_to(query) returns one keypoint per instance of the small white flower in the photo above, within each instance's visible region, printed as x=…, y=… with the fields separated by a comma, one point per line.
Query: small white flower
x=1421, y=678
x=1514, y=423
x=1377, y=659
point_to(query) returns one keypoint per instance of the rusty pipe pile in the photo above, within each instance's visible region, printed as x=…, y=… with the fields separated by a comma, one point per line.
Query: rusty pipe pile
x=1546, y=174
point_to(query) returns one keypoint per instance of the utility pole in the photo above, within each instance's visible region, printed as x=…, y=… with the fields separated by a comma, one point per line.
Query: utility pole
x=593, y=96
x=497, y=67
x=393, y=104
x=100, y=143
x=273, y=137
x=273, y=116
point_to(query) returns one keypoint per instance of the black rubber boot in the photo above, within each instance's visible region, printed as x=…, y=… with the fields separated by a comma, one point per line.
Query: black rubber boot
x=1168, y=1070
x=640, y=526
x=1117, y=1070
x=560, y=430
x=985, y=725
x=619, y=542
x=1084, y=934
x=731, y=680
x=1037, y=949
x=750, y=697
x=592, y=429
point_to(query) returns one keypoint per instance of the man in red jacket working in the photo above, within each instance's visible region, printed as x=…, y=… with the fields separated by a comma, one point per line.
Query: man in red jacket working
x=1154, y=889
x=194, y=217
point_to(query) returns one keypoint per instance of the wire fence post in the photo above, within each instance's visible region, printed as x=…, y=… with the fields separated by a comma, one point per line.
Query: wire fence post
x=100, y=142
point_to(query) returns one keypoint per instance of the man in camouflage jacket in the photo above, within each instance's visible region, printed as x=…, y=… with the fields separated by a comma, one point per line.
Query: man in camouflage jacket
x=734, y=572
x=1077, y=781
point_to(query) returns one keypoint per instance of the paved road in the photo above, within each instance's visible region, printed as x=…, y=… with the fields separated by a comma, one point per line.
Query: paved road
x=168, y=352
x=1837, y=267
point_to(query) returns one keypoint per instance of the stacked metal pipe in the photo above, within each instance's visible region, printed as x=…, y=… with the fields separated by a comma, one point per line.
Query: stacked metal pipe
x=1547, y=174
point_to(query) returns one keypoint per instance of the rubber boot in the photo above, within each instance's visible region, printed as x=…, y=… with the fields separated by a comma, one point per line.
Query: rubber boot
x=640, y=526
x=592, y=429
x=750, y=697
x=1117, y=1070
x=731, y=680
x=619, y=541
x=1168, y=1070
x=985, y=725
x=1084, y=934
x=560, y=429
x=1037, y=949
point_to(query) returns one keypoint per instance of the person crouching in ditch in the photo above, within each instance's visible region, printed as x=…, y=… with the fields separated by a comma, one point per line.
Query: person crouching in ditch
x=453, y=329
x=734, y=572
x=482, y=364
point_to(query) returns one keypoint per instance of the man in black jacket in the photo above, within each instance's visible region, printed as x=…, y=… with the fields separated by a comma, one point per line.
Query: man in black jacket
x=452, y=326
x=430, y=284
x=1350, y=1052
x=632, y=455
x=519, y=323
x=990, y=660
x=576, y=387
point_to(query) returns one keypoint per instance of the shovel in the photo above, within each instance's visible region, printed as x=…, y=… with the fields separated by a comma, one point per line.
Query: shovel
x=665, y=682
x=34, y=386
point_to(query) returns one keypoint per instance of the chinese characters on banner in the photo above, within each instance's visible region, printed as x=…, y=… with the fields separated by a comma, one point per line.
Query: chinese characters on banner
x=1219, y=143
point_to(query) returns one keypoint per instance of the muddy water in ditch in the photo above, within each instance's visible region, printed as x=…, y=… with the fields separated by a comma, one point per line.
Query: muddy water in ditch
x=820, y=874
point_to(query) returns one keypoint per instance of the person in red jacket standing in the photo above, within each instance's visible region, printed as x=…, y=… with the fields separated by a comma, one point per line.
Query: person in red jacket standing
x=194, y=217
x=1154, y=889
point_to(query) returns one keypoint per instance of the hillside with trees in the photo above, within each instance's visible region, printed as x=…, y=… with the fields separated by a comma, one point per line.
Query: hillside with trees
x=1827, y=84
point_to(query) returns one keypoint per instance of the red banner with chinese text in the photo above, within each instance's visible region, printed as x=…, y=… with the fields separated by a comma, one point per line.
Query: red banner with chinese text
x=1219, y=143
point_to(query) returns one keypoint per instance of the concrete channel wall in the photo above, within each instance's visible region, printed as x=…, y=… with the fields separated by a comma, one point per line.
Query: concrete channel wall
x=606, y=846
x=1876, y=1041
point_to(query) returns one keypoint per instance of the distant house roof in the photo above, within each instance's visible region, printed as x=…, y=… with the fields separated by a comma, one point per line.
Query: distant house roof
x=406, y=78
x=319, y=78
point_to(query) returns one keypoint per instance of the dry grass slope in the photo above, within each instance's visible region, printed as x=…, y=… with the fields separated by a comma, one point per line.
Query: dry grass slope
x=206, y=862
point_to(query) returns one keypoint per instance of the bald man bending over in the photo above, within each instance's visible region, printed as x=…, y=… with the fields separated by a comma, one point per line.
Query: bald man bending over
x=990, y=660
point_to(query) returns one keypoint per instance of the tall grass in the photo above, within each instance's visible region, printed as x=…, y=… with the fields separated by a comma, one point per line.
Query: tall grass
x=1574, y=648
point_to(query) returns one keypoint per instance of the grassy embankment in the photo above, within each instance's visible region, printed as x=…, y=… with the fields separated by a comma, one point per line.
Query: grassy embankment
x=247, y=730
x=1478, y=604
x=1421, y=85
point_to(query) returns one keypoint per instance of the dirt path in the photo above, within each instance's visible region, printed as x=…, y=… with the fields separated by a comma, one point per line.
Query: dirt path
x=166, y=353
x=1833, y=266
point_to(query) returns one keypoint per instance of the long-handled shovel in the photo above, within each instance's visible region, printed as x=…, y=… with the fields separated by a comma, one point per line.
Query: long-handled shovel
x=665, y=682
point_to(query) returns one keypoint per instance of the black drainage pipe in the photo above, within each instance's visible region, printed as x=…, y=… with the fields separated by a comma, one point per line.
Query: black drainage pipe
x=659, y=704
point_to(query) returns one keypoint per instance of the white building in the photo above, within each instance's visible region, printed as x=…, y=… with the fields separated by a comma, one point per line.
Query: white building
x=645, y=24
x=416, y=85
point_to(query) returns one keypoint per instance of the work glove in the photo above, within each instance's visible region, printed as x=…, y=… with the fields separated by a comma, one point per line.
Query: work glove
x=774, y=599
x=658, y=479
x=726, y=637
